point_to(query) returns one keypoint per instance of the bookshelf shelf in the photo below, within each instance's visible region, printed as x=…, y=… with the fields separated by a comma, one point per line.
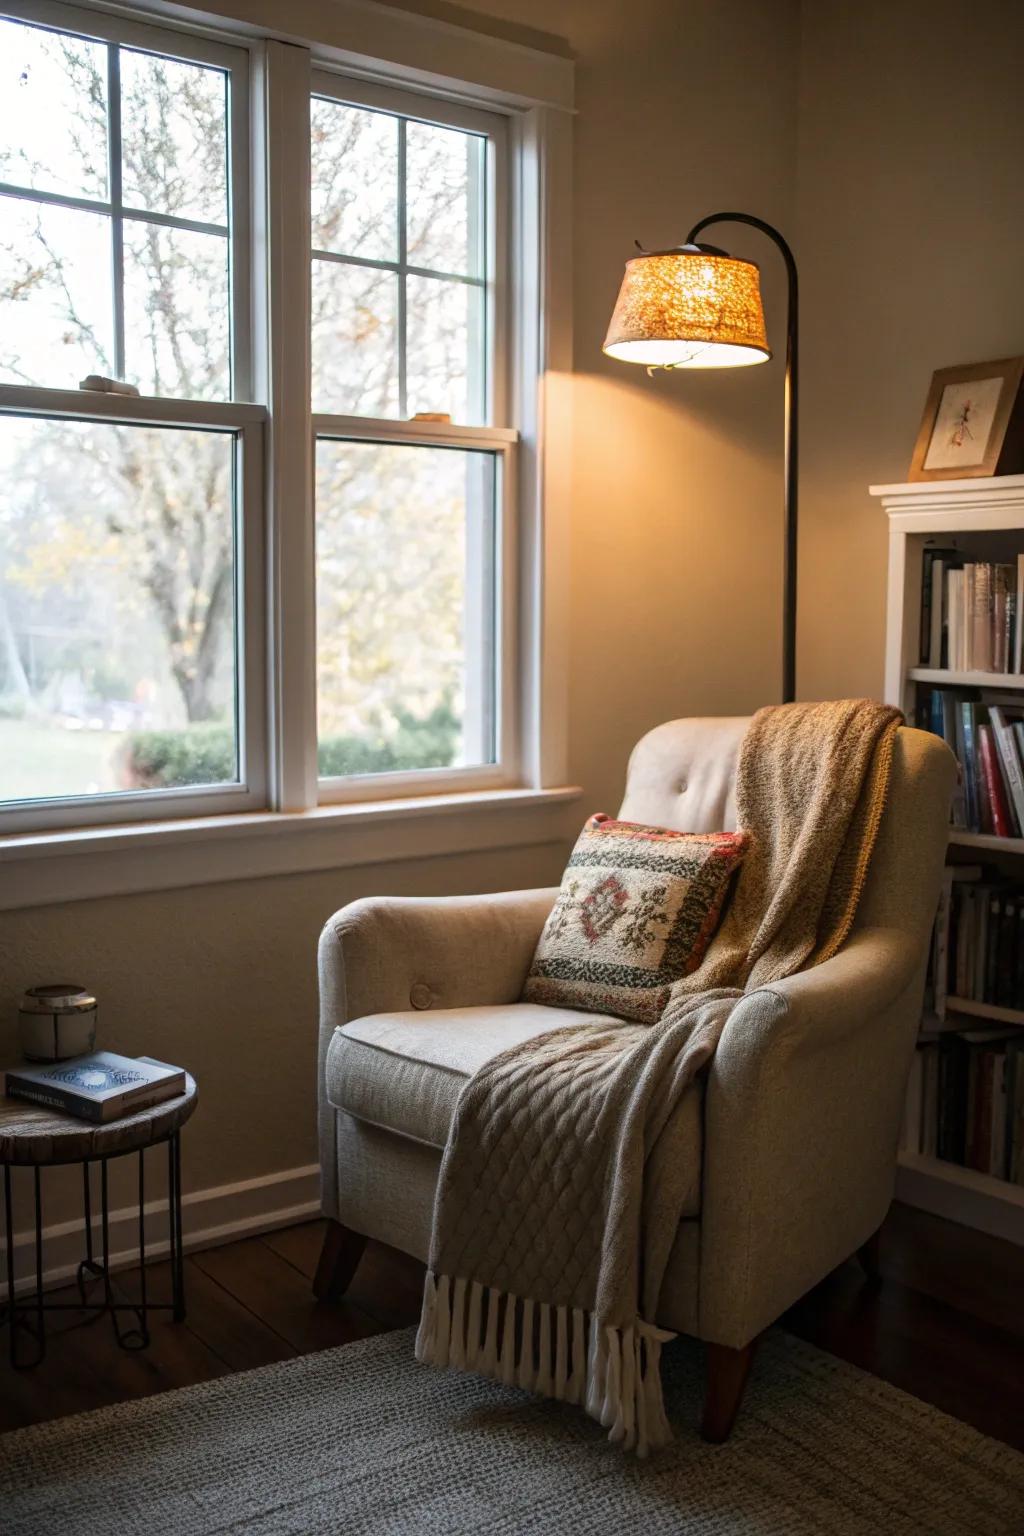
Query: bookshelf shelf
x=986, y=840
x=962, y=1194
x=940, y=677
x=985, y=519
x=970, y=1009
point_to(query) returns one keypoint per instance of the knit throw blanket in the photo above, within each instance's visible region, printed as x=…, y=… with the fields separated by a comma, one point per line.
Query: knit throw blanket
x=560, y=1190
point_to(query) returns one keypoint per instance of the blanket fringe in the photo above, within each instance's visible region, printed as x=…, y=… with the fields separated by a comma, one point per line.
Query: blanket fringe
x=615, y=1374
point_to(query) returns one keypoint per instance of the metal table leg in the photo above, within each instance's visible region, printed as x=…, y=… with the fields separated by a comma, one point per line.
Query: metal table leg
x=28, y=1316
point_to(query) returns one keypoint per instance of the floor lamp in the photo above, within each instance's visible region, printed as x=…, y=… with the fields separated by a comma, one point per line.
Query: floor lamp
x=695, y=306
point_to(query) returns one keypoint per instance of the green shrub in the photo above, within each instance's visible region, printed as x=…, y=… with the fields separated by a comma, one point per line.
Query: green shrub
x=205, y=754
x=198, y=754
x=427, y=742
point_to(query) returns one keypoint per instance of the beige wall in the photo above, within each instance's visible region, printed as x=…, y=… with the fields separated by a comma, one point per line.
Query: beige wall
x=684, y=109
x=908, y=202
x=910, y=234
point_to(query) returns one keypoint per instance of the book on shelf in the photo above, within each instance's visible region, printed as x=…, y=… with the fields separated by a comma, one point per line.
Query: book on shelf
x=971, y=613
x=100, y=1087
x=965, y=1101
x=987, y=739
x=941, y=963
x=978, y=949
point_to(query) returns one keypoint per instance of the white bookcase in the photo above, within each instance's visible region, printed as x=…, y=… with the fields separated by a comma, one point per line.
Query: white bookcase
x=985, y=518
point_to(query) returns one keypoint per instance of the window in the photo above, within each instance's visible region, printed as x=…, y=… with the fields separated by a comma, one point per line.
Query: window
x=123, y=254
x=408, y=303
x=266, y=543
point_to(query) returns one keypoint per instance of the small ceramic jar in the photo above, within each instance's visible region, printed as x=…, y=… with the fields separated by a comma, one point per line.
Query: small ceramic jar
x=56, y=1022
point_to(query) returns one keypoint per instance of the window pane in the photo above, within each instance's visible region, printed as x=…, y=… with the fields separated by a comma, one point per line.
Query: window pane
x=445, y=348
x=444, y=200
x=405, y=540
x=174, y=137
x=355, y=339
x=354, y=183
x=53, y=111
x=176, y=311
x=56, y=322
x=117, y=636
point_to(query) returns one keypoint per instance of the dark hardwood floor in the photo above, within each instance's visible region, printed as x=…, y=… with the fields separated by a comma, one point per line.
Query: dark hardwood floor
x=945, y=1324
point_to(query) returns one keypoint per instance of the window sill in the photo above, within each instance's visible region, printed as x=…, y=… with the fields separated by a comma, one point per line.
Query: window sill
x=43, y=868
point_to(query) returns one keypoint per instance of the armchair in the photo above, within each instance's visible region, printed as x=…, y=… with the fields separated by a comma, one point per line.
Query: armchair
x=790, y=1137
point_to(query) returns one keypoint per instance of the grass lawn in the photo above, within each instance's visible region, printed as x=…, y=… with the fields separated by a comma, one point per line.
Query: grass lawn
x=39, y=761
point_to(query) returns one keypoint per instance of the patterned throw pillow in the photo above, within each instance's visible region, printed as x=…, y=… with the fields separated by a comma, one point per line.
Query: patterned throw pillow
x=637, y=909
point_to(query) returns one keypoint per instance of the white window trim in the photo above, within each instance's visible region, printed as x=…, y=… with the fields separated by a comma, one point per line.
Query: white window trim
x=534, y=90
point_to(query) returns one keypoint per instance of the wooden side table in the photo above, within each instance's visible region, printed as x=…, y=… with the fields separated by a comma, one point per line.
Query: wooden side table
x=37, y=1138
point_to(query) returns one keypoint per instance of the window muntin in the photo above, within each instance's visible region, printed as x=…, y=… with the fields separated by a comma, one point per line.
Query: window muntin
x=115, y=215
x=400, y=265
x=406, y=542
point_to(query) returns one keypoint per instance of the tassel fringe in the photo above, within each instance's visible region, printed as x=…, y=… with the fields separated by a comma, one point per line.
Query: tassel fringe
x=540, y=1347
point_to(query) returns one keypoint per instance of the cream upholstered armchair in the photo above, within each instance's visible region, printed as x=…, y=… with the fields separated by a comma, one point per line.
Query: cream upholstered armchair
x=790, y=1138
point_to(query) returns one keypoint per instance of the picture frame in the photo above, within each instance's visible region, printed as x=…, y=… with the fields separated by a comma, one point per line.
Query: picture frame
x=973, y=422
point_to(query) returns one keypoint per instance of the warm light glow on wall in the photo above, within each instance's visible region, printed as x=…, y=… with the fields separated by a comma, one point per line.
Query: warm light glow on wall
x=689, y=308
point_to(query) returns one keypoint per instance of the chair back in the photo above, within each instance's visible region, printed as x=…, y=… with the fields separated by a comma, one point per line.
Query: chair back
x=683, y=775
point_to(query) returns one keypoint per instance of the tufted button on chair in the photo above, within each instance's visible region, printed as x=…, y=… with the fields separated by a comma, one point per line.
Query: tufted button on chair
x=789, y=1139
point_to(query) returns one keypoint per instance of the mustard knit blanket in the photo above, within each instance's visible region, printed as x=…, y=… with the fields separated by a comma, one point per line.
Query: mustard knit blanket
x=555, y=1215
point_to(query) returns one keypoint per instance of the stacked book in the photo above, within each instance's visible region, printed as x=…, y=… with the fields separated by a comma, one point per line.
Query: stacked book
x=970, y=613
x=988, y=740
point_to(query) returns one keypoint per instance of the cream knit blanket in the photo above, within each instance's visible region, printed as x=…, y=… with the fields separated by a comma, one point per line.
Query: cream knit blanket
x=560, y=1192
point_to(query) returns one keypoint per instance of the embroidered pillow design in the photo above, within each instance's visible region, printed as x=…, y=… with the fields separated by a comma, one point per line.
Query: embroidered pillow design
x=637, y=909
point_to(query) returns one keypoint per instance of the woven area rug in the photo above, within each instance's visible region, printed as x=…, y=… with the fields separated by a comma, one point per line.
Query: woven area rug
x=362, y=1439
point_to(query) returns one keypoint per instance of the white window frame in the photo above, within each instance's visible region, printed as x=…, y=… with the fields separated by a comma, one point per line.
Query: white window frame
x=533, y=92
x=245, y=420
x=499, y=440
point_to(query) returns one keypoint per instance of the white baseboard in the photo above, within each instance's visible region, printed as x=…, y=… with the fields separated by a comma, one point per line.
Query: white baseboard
x=209, y=1217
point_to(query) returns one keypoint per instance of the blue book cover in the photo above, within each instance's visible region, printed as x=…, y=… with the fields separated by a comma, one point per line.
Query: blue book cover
x=937, y=721
x=98, y=1087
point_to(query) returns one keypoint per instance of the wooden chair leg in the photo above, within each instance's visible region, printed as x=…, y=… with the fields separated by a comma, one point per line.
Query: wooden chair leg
x=870, y=1256
x=727, y=1371
x=339, y=1260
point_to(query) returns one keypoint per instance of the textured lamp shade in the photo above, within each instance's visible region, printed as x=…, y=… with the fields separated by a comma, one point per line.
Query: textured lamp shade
x=688, y=308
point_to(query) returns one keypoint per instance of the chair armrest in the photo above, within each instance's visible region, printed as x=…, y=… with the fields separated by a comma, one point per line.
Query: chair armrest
x=388, y=954
x=802, y=1115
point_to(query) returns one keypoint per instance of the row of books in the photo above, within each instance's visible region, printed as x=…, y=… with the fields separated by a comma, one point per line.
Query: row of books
x=978, y=944
x=988, y=740
x=966, y=1101
x=971, y=613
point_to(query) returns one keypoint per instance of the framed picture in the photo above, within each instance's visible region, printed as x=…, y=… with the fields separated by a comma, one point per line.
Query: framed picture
x=973, y=422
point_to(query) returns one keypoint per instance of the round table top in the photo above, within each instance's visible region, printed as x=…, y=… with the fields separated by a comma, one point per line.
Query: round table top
x=34, y=1136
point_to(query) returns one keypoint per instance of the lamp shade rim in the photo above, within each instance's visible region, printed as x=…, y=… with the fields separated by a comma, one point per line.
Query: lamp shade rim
x=629, y=349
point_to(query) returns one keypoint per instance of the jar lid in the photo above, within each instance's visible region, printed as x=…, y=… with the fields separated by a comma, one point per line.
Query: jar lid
x=59, y=997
